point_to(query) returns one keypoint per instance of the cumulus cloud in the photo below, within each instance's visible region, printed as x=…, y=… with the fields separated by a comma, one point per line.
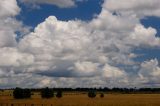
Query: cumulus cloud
x=76, y=53
x=62, y=48
x=8, y=24
x=143, y=36
x=85, y=68
x=8, y=8
x=134, y=7
x=113, y=72
x=11, y=57
x=150, y=71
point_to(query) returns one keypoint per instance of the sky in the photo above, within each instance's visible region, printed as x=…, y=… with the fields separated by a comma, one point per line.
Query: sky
x=79, y=43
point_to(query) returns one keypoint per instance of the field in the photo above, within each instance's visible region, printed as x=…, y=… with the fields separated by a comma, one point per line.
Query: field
x=81, y=99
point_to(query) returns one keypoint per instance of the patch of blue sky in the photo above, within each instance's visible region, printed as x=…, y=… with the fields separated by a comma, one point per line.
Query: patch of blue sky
x=146, y=54
x=83, y=11
x=152, y=22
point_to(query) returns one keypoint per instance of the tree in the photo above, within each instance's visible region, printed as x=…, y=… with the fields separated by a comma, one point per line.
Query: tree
x=47, y=93
x=26, y=93
x=92, y=94
x=102, y=95
x=20, y=93
x=59, y=94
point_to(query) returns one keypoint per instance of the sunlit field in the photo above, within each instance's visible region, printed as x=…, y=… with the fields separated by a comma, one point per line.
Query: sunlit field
x=81, y=99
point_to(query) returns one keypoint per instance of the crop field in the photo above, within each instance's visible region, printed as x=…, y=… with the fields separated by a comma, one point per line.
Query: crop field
x=81, y=99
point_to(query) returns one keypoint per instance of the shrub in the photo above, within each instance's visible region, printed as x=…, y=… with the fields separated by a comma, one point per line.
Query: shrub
x=92, y=94
x=47, y=93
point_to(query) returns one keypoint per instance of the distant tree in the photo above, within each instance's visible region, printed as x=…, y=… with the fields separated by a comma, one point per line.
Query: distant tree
x=47, y=93
x=59, y=94
x=92, y=94
x=102, y=95
x=26, y=93
x=18, y=93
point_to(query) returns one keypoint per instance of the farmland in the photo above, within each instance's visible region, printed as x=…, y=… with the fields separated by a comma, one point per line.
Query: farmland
x=81, y=99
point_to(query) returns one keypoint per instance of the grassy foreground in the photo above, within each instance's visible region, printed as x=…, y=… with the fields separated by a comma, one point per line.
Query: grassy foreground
x=83, y=100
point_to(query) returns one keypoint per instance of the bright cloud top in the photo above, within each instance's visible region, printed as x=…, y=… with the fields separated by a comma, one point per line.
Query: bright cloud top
x=76, y=53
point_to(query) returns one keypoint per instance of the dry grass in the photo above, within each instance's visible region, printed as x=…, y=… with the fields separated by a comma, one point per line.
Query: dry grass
x=83, y=100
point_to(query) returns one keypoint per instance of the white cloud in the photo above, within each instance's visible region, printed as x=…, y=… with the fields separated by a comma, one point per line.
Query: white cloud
x=150, y=70
x=115, y=76
x=148, y=74
x=57, y=36
x=8, y=8
x=139, y=8
x=85, y=68
x=67, y=47
x=6, y=39
x=11, y=57
x=8, y=24
x=143, y=36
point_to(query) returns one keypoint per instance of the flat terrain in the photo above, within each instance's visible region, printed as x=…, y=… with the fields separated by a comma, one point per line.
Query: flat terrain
x=83, y=100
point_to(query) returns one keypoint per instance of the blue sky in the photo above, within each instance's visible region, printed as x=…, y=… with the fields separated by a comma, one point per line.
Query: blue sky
x=79, y=43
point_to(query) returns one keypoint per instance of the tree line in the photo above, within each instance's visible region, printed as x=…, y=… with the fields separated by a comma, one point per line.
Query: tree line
x=47, y=93
x=20, y=93
x=106, y=90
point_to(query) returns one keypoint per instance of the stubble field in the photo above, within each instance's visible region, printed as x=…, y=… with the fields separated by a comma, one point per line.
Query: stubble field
x=83, y=100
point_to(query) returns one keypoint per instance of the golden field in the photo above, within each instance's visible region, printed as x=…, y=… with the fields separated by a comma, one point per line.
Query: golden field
x=81, y=99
